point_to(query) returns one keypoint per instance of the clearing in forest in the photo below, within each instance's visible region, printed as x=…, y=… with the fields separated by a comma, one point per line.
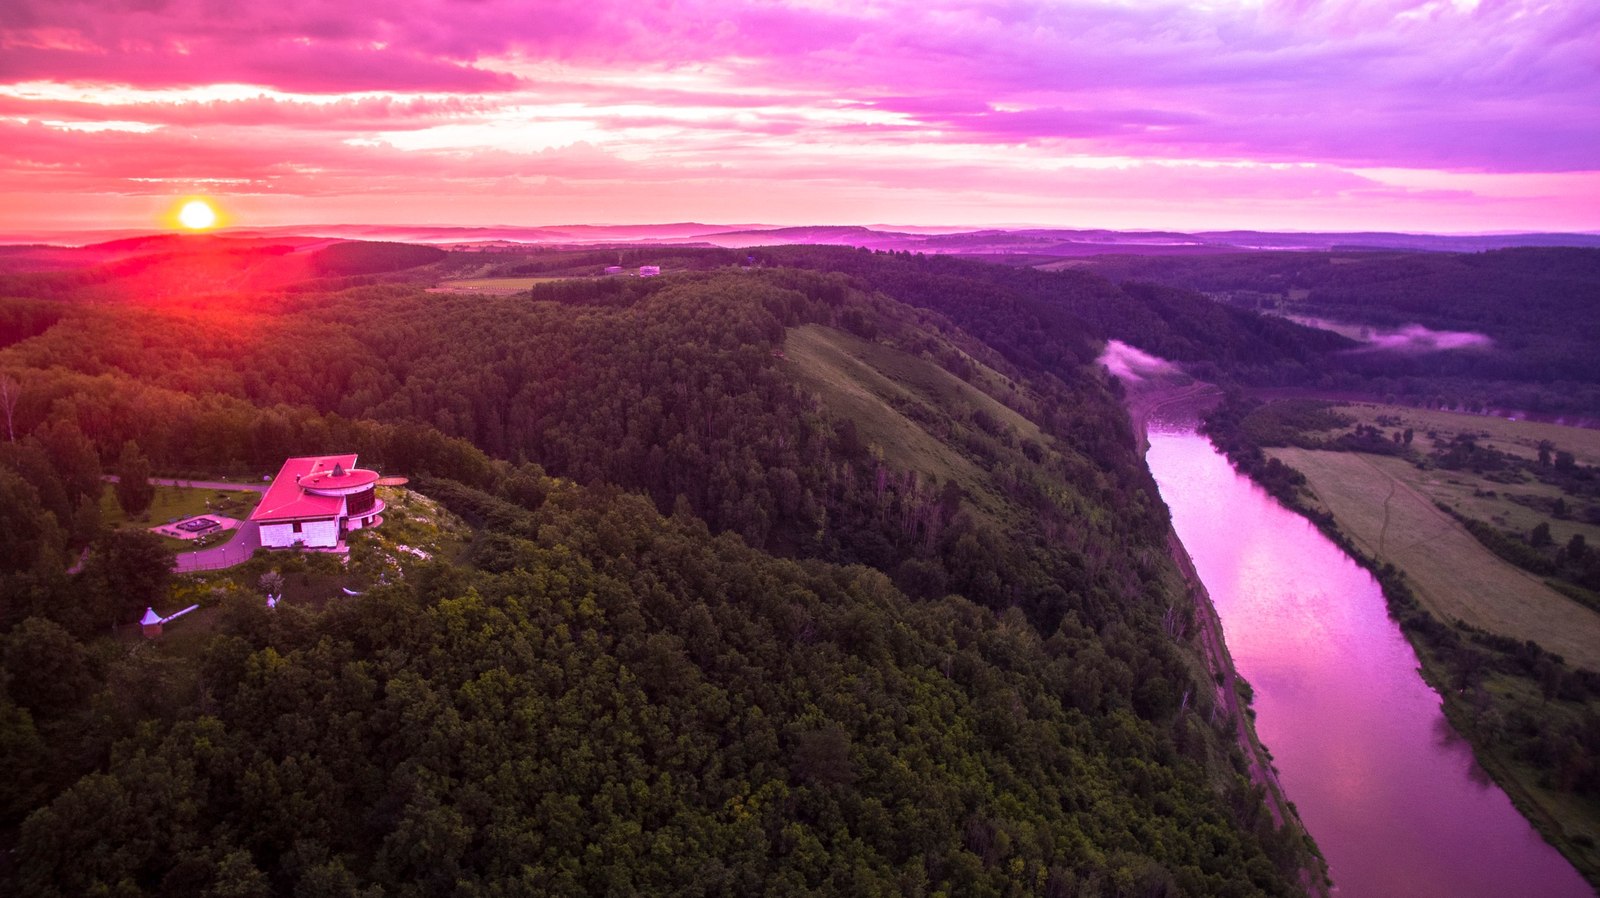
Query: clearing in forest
x=893, y=397
x=493, y=286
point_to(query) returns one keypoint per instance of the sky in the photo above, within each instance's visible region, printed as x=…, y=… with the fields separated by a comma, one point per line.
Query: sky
x=1450, y=116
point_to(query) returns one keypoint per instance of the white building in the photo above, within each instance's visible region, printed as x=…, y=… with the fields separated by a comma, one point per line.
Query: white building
x=649, y=271
x=315, y=500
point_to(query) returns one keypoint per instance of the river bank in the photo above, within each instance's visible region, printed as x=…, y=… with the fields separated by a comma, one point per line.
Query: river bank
x=1144, y=402
x=1476, y=677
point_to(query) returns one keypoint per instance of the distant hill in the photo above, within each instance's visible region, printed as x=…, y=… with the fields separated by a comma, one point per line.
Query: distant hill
x=1537, y=306
x=1045, y=242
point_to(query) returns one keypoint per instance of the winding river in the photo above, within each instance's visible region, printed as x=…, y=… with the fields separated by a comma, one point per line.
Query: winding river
x=1389, y=791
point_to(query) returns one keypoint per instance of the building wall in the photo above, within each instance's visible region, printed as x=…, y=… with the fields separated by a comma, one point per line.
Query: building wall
x=313, y=534
x=276, y=536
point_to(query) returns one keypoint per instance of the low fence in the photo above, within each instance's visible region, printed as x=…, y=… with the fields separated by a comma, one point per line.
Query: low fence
x=188, y=564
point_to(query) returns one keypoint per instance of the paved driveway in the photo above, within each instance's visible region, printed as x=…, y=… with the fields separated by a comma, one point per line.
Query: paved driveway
x=199, y=484
x=246, y=539
x=211, y=484
x=238, y=550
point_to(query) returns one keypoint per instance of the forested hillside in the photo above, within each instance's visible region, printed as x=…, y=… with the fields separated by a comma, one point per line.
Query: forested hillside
x=1054, y=318
x=841, y=576
x=1539, y=305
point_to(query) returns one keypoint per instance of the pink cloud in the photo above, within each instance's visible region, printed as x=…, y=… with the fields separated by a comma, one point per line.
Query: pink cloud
x=871, y=97
x=353, y=114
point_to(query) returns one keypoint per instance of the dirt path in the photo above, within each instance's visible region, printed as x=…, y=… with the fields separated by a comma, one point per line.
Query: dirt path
x=1383, y=532
x=1443, y=521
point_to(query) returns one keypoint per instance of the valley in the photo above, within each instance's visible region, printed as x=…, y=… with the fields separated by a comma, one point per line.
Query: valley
x=866, y=449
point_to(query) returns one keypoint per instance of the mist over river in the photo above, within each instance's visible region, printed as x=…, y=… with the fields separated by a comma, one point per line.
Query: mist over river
x=1390, y=793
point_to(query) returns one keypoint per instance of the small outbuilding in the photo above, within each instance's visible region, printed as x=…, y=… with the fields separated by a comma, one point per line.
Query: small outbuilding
x=152, y=623
x=649, y=271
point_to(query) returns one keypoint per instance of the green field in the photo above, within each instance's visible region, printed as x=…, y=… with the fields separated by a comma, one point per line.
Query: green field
x=496, y=286
x=1494, y=501
x=1513, y=437
x=1385, y=506
x=173, y=503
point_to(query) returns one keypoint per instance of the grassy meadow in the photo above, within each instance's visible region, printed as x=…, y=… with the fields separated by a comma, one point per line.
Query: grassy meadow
x=1384, y=504
x=1495, y=500
x=1519, y=438
x=495, y=286
x=873, y=386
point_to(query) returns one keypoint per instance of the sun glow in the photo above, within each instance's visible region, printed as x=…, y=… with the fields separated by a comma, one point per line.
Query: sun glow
x=197, y=215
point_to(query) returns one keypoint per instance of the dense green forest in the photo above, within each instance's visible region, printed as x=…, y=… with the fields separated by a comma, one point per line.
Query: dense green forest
x=839, y=574
x=1052, y=319
x=1539, y=305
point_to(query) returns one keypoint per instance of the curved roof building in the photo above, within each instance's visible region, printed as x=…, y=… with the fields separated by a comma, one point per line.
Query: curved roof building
x=315, y=500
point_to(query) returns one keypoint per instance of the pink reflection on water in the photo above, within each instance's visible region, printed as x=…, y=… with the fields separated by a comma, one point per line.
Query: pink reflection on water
x=1390, y=792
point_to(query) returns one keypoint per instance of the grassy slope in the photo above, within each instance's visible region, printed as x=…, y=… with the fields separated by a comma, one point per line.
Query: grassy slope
x=865, y=381
x=1380, y=504
x=871, y=384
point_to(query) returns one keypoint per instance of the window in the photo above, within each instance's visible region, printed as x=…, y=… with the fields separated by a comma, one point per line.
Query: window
x=360, y=503
x=296, y=526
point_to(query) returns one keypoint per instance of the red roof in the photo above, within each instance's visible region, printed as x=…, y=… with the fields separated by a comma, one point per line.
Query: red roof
x=340, y=481
x=285, y=500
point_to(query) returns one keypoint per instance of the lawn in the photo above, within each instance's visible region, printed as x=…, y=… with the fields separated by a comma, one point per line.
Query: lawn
x=175, y=503
x=1386, y=506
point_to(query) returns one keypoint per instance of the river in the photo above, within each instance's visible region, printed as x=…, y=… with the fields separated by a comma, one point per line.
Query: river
x=1389, y=791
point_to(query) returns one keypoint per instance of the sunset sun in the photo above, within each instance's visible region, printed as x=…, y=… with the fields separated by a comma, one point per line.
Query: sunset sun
x=197, y=215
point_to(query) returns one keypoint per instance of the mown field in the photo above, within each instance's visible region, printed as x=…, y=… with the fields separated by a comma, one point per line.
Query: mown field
x=1514, y=437
x=1384, y=505
x=1493, y=500
x=494, y=286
